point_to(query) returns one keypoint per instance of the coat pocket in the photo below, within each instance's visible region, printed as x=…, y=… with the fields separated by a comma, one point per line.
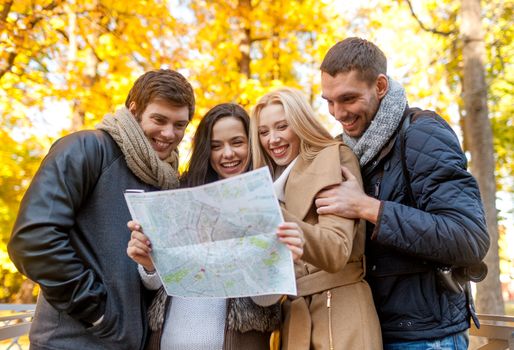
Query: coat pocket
x=107, y=328
x=408, y=302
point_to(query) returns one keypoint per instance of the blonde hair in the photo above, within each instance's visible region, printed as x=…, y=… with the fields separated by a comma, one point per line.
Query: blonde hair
x=299, y=116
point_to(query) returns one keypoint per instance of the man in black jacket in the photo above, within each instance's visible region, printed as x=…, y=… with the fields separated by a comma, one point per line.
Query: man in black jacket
x=409, y=239
x=70, y=235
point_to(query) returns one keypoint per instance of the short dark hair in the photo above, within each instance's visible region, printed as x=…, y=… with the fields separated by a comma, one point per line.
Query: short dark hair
x=200, y=170
x=355, y=54
x=165, y=84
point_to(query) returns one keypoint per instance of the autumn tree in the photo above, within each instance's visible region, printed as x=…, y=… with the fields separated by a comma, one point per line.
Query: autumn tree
x=73, y=61
x=84, y=52
x=17, y=164
x=241, y=48
x=80, y=55
x=463, y=49
x=479, y=136
x=84, y=55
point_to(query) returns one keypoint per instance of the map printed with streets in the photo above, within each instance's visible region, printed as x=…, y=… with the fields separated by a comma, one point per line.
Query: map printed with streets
x=217, y=240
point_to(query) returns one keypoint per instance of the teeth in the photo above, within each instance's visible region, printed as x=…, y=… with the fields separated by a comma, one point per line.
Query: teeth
x=161, y=144
x=349, y=122
x=279, y=150
x=230, y=165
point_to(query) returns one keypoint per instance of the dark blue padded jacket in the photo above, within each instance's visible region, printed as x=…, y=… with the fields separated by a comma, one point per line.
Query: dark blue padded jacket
x=445, y=227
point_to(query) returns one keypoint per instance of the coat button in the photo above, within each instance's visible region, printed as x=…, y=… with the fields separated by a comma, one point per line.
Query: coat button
x=374, y=268
x=400, y=324
x=409, y=324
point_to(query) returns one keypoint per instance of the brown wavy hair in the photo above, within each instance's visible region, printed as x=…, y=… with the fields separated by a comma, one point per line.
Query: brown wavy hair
x=355, y=54
x=164, y=84
x=200, y=170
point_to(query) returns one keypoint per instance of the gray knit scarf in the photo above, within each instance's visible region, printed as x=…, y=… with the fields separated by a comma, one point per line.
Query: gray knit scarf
x=383, y=125
x=141, y=159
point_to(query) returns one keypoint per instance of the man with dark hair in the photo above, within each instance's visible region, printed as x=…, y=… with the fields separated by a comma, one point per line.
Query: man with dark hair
x=422, y=207
x=71, y=235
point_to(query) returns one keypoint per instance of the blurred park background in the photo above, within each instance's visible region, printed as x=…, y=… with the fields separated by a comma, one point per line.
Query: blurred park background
x=64, y=64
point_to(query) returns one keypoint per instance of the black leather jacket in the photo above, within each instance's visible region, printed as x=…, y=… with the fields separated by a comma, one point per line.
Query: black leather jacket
x=446, y=226
x=71, y=238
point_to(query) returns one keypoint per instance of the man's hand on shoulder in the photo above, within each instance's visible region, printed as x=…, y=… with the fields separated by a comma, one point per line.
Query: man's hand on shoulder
x=348, y=200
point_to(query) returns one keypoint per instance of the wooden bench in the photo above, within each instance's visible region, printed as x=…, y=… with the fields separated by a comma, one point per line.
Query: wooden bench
x=15, y=320
x=499, y=330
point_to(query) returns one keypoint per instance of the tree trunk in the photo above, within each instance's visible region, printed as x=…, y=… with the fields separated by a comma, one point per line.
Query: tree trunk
x=244, y=37
x=77, y=118
x=90, y=75
x=479, y=139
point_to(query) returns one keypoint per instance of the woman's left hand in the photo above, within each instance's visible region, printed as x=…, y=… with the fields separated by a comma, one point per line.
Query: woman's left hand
x=291, y=235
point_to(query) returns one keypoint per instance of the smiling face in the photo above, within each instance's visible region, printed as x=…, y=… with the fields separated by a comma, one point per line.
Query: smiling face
x=352, y=101
x=229, y=147
x=276, y=136
x=163, y=125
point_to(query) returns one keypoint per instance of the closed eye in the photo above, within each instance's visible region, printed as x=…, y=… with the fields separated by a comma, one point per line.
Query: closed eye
x=181, y=125
x=347, y=98
x=159, y=120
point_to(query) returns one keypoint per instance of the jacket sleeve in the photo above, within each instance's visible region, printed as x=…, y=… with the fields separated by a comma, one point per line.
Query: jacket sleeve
x=40, y=242
x=449, y=226
x=329, y=241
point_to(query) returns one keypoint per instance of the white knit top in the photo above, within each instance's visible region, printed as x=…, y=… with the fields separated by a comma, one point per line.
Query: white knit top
x=194, y=323
x=190, y=324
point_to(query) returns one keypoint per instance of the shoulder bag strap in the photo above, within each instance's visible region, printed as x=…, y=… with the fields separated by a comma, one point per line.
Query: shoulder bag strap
x=406, y=176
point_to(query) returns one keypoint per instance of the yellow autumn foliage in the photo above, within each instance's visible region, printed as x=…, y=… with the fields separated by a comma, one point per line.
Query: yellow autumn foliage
x=67, y=63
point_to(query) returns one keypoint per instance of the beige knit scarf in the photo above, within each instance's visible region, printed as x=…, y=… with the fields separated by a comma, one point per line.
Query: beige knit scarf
x=141, y=159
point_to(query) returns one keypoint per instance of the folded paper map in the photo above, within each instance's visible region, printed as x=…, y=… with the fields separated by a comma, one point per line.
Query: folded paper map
x=217, y=240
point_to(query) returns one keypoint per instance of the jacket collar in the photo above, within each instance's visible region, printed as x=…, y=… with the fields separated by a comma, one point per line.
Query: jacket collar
x=307, y=178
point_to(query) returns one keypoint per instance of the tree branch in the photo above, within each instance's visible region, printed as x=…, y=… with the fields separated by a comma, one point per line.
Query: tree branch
x=425, y=28
x=259, y=38
x=6, y=10
x=31, y=24
x=10, y=62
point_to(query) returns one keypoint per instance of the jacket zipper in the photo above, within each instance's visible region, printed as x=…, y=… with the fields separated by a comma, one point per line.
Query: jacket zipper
x=329, y=308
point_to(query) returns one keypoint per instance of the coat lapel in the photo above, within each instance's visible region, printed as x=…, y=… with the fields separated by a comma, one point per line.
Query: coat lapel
x=309, y=177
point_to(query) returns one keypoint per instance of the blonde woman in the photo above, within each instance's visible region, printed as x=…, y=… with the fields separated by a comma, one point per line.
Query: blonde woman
x=334, y=308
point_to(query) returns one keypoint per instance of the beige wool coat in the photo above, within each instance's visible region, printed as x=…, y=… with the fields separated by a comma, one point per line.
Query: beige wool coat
x=334, y=308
